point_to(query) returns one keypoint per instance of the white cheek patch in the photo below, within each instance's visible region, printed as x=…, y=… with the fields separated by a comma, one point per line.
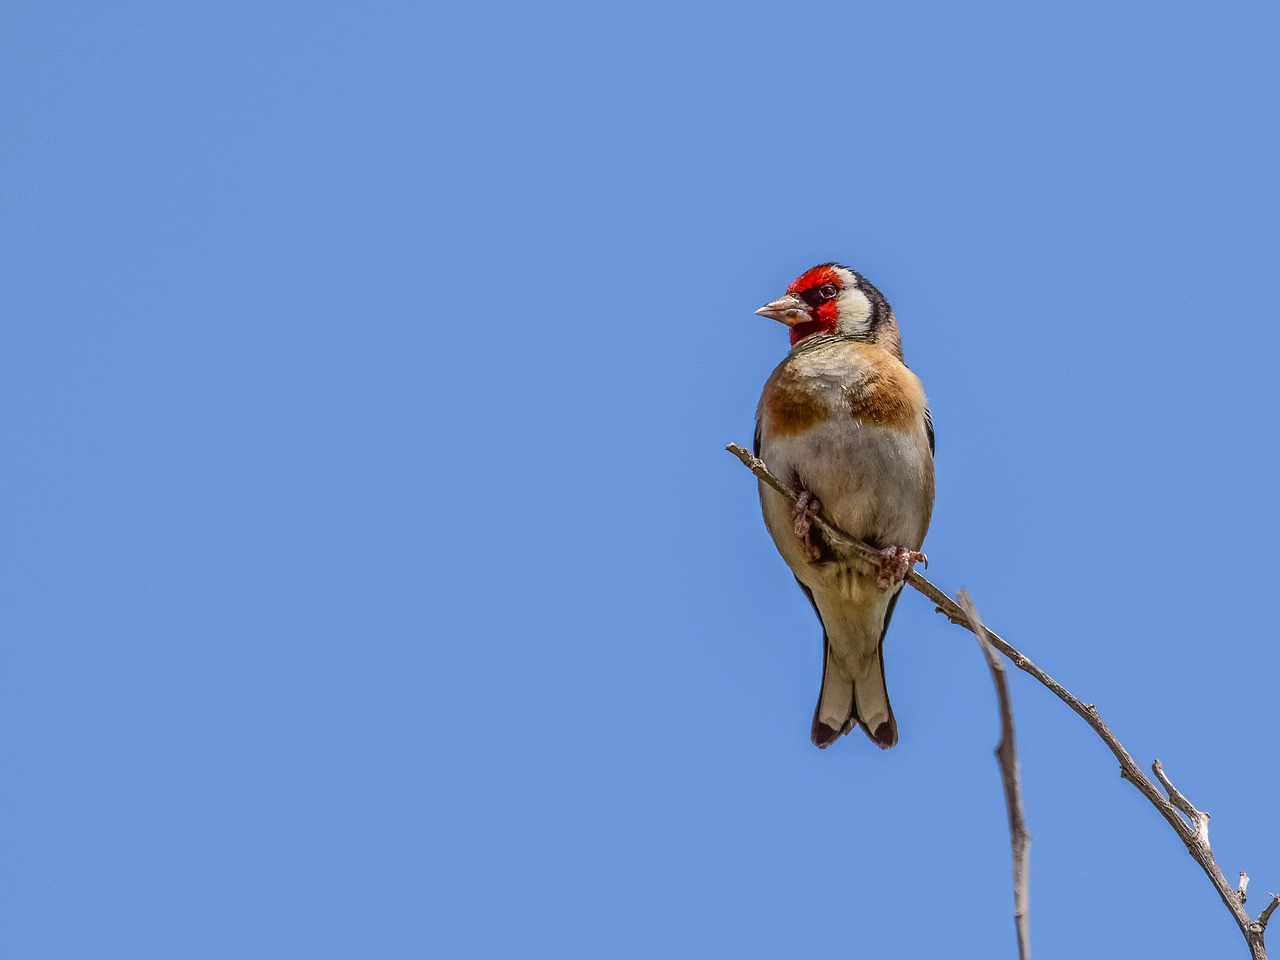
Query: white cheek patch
x=854, y=313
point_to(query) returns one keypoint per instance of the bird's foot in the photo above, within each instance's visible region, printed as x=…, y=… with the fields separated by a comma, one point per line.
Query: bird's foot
x=897, y=564
x=807, y=507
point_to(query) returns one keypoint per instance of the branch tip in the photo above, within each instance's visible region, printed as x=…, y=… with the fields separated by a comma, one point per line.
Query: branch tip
x=1007, y=757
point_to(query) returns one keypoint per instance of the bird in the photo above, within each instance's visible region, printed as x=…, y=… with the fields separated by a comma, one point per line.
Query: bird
x=846, y=424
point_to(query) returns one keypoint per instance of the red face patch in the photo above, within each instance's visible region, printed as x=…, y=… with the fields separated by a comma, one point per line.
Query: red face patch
x=825, y=314
x=816, y=277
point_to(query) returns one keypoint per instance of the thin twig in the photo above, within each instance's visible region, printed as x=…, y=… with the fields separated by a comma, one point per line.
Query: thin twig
x=1190, y=834
x=1007, y=756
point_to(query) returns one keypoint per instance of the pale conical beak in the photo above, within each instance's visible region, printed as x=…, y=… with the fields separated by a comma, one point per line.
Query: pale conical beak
x=789, y=310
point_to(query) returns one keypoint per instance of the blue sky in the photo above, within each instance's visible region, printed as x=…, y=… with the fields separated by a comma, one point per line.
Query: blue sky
x=374, y=582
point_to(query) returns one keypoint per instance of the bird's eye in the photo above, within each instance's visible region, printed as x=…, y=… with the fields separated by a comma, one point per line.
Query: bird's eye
x=828, y=291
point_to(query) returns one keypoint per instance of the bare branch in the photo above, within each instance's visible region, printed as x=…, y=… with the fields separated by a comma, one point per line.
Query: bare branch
x=1007, y=757
x=1265, y=915
x=1199, y=819
x=1194, y=835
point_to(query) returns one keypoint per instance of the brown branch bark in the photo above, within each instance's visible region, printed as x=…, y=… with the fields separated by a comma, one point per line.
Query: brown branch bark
x=1192, y=829
x=1265, y=915
x=1007, y=757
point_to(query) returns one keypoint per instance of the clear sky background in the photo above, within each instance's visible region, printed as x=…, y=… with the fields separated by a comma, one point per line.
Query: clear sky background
x=375, y=584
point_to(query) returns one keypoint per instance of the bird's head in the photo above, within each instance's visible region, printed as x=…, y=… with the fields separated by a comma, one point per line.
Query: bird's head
x=832, y=299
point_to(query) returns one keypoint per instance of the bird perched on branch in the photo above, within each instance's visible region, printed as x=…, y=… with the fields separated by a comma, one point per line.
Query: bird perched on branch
x=845, y=423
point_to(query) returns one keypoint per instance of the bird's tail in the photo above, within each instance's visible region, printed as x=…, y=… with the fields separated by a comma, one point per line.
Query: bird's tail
x=871, y=701
x=836, y=712
x=844, y=702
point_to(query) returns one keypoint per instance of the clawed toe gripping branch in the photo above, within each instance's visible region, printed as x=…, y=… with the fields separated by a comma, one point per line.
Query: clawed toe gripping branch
x=1191, y=825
